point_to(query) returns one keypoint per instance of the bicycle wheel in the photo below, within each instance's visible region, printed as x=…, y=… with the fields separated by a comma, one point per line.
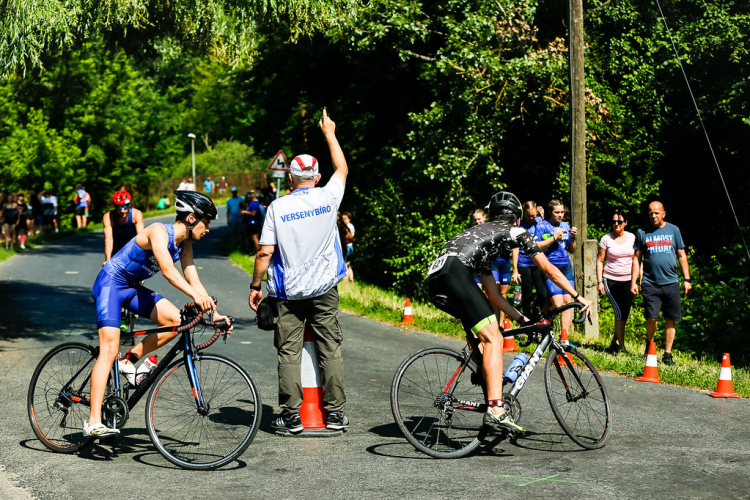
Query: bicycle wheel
x=203, y=440
x=578, y=398
x=58, y=420
x=433, y=421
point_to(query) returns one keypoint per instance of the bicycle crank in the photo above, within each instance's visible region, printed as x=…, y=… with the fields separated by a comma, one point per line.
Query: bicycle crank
x=115, y=412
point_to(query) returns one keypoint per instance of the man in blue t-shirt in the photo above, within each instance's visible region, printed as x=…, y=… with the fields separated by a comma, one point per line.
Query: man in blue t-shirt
x=208, y=185
x=252, y=220
x=660, y=245
x=234, y=216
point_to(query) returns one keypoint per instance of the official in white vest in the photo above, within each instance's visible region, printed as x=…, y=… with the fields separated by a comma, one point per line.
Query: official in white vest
x=301, y=251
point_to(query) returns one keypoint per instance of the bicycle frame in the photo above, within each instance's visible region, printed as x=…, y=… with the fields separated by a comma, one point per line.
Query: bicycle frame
x=183, y=345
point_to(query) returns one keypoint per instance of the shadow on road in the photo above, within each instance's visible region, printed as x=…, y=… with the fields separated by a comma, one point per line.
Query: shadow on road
x=59, y=309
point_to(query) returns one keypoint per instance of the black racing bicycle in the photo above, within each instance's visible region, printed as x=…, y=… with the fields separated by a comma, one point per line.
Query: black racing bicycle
x=202, y=411
x=438, y=397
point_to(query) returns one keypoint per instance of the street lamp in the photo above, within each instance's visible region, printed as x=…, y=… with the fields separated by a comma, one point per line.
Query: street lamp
x=192, y=147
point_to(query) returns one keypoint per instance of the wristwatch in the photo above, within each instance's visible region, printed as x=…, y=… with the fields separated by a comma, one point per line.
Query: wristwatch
x=578, y=295
x=256, y=288
x=686, y=279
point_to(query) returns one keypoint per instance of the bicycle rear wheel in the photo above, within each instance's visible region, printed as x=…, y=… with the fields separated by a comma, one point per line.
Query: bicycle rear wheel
x=435, y=422
x=56, y=419
x=578, y=398
x=210, y=439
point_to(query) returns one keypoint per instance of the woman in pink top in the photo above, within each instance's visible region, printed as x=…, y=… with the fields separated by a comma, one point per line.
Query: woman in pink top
x=614, y=277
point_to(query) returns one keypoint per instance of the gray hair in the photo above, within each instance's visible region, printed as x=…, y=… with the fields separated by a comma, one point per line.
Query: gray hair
x=301, y=178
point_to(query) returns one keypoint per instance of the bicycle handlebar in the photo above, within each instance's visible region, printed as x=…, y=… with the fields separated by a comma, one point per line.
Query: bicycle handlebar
x=578, y=319
x=220, y=327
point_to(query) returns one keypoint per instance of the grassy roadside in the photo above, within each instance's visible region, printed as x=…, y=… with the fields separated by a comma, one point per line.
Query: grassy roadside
x=388, y=307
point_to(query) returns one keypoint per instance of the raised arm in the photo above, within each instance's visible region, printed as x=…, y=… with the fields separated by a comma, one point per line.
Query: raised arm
x=328, y=127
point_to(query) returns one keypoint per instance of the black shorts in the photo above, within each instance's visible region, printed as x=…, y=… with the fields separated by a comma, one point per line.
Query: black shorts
x=48, y=220
x=452, y=289
x=81, y=211
x=667, y=296
x=252, y=229
x=620, y=297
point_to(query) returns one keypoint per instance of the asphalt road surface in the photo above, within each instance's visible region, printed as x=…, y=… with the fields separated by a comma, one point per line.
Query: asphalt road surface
x=666, y=441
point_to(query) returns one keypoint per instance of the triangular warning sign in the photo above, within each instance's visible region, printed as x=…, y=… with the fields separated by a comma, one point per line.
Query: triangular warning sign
x=279, y=162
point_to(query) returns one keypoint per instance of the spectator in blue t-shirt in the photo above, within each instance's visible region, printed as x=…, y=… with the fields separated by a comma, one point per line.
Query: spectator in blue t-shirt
x=660, y=246
x=234, y=216
x=558, y=241
x=530, y=276
x=81, y=201
x=252, y=220
x=208, y=185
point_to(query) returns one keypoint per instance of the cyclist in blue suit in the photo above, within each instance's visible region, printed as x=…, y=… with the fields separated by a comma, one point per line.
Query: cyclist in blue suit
x=154, y=249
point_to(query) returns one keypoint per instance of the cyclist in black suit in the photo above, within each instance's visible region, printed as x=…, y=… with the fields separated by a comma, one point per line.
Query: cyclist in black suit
x=453, y=290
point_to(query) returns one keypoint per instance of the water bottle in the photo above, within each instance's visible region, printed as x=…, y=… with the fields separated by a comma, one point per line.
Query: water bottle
x=515, y=368
x=517, y=296
x=142, y=372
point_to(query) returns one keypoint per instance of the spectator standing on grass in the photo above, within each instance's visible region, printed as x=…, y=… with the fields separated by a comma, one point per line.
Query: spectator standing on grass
x=3, y=201
x=660, y=246
x=208, y=185
x=301, y=237
x=616, y=247
x=252, y=220
x=10, y=218
x=22, y=226
x=49, y=204
x=222, y=186
x=530, y=276
x=346, y=217
x=81, y=202
x=234, y=217
x=37, y=212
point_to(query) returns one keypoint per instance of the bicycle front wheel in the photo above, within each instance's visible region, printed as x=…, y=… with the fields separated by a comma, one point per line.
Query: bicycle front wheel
x=208, y=439
x=439, y=408
x=57, y=415
x=578, y=398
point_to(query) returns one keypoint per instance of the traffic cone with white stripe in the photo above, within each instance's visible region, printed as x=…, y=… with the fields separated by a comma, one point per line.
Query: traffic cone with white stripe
x=651, y=371
x=725, y=389
x=408, y=318
x=509, y=343
x=565, y=341
x=312, y=412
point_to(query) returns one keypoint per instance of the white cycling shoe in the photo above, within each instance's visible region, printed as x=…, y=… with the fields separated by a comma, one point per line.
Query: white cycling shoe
x=98, y=431
x=128, y=369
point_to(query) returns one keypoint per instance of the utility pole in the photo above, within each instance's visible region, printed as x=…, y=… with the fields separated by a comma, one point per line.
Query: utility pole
x=584, y=260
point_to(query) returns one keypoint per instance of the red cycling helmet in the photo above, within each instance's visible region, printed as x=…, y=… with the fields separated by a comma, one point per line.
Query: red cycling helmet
x=121, y=198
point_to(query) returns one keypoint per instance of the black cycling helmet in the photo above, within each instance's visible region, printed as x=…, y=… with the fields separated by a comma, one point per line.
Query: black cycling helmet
x=192, y=202
x=504, y=203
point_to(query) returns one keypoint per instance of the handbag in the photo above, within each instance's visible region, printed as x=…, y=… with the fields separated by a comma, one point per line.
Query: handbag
x=267, y=315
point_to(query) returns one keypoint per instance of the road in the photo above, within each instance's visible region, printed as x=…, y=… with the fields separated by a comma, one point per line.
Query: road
x=667, y=442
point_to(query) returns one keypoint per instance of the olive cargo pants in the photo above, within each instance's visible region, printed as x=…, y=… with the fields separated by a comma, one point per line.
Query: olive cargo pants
x=322, y=314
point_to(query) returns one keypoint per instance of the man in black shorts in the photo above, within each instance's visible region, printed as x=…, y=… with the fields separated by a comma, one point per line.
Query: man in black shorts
x=453, y=290
x=660, y=244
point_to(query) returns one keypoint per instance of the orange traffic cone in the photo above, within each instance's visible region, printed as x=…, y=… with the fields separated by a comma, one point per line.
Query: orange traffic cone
x=725, y=389
x=312, y=412
x=651, y=371
x=564, y=341
x=408, y=318
x=509, y=343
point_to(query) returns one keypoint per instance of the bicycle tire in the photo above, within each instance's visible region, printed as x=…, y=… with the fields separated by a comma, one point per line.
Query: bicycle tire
x=417, y=386
x=203, y=442
x=582, y=409
x=57, y=421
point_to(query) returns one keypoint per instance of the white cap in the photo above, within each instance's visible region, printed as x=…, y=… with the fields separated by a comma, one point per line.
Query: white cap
x=304, y=166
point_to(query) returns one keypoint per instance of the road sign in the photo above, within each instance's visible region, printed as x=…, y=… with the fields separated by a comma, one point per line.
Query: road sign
x=279, y=174
x=279, y=163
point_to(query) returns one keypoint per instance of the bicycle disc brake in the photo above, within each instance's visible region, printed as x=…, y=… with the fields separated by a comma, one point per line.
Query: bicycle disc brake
x=115, y=412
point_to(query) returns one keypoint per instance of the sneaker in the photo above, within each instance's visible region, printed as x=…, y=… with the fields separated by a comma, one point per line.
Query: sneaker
x=504, y=421
x=291, y=423
x=98, y=431
x=23, y=247
x=667, y=360
x=337, y=420
x=128, y=369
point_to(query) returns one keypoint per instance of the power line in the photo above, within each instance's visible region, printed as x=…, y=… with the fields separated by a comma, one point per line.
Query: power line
x=703, y=126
